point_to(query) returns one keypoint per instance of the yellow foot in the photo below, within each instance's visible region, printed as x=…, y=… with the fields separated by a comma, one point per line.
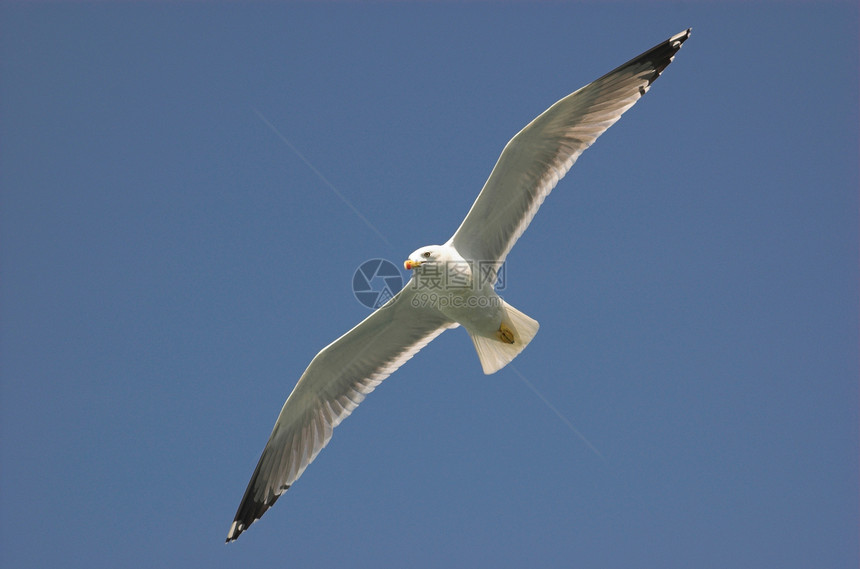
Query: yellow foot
x=505, y=334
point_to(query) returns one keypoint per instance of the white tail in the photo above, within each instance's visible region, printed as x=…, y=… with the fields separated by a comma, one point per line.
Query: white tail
x=495, y=353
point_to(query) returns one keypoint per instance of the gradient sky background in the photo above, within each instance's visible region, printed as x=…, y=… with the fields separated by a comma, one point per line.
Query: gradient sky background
x=170, y=266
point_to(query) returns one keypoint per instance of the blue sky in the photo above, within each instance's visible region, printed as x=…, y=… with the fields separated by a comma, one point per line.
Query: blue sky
x=169, y=266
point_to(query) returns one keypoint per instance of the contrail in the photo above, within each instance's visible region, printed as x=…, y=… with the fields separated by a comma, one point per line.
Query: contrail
x=387, y=242
x=321, y=177
x=554, y=410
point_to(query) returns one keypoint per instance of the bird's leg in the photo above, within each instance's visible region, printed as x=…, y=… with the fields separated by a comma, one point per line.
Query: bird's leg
x=505, y=334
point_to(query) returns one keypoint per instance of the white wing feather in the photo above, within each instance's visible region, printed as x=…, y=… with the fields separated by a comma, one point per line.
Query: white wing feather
x=332, y=386
x=539, y=155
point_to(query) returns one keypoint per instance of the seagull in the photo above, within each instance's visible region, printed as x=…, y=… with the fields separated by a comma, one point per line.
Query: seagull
x=451, y=285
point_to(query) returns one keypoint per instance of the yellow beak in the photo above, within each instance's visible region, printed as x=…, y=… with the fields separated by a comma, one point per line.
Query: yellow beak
x=410, y=264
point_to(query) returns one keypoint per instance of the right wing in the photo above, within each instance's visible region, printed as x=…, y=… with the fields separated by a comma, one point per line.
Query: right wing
x=536, y=158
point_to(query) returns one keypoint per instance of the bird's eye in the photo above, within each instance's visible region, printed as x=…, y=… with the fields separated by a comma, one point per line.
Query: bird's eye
x=426, y=254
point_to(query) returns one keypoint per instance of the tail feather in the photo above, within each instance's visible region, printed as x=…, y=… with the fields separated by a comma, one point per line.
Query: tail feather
x=495, y=353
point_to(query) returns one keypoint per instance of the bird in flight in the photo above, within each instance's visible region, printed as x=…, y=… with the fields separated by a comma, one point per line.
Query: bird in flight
x=452, y=284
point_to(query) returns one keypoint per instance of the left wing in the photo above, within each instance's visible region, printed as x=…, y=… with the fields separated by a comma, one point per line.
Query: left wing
x=536, y=158
x=333, y=385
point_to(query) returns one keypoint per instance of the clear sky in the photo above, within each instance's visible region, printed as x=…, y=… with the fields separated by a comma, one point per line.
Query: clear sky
x=169, y=265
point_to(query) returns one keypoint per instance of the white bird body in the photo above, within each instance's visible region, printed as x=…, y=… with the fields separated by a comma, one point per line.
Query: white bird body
x=462, y=291
x=451, y=285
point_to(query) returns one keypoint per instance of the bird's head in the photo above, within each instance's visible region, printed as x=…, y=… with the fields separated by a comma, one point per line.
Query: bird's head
x=425, y=255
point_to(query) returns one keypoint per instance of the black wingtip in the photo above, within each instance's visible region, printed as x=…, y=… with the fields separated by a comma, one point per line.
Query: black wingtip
x=662, y=54
x=652, y=62
x=251, y=508
x=682, y=37
x=234, y=533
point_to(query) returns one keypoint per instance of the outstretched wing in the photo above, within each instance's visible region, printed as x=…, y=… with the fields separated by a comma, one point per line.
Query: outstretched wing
x=335, y=382
x=539, y=155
